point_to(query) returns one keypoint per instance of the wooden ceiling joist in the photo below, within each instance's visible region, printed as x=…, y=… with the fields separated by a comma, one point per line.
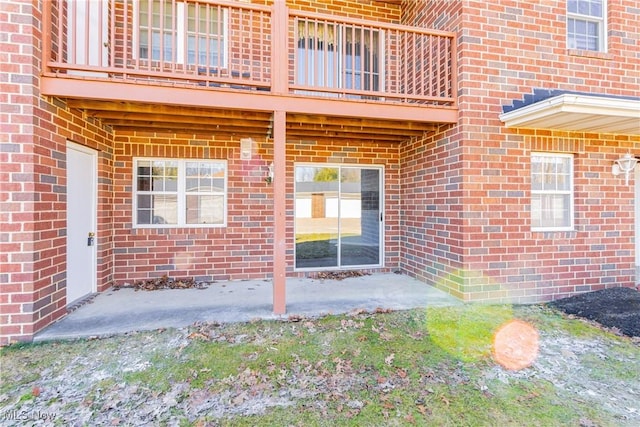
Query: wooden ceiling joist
x=178, y=127
x=131, y=116
x=357, y=121
x=302, y=135
x=292, y=127
x=96, y=108
x=115, y=119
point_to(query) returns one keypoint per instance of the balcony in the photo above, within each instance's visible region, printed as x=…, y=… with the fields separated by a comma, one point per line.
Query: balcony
x=180, y=53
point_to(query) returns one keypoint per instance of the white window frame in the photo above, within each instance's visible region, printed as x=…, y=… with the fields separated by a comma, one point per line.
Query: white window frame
x=601, y=21
x=181, y=35
x=569, y=192
x=181, y=193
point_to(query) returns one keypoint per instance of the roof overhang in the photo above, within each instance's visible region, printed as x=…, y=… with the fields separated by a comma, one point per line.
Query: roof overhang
x=578, y=113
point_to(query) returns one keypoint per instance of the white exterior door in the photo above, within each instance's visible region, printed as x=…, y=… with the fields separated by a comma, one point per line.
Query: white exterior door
x=81, y=221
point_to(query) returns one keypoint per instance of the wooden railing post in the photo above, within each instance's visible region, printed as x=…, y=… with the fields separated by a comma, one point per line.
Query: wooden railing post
x=47, y=29
x=453, y=77
x=279, y=54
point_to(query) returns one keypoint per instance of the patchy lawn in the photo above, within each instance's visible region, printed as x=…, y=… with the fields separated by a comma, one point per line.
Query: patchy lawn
x=435, y=366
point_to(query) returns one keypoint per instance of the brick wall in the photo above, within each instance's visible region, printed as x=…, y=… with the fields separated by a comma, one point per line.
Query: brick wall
x=363, y=153
x=33, y=180
x=244, y=248
x=456, y=202
x=507, y=49
x=363, y=9
x=33, y=177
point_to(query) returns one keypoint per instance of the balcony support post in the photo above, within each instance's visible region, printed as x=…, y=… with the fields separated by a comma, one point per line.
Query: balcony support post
x=279, y=183
x=279, y=55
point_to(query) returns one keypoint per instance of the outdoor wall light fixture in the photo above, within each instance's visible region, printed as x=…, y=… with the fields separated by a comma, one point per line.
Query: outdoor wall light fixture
x=624, y=165
x=269, y=177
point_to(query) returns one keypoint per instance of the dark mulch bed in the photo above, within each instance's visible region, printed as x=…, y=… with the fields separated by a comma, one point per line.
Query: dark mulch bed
x=617, y=308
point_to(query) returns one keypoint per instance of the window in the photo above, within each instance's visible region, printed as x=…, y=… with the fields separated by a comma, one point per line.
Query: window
x=179, y=193
x=551, y=192
x=166, y=36
x=338, y=56
x=586, y=24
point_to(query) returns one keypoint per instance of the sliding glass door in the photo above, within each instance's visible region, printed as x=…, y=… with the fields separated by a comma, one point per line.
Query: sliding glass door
x=338, y=216
x=338, y=56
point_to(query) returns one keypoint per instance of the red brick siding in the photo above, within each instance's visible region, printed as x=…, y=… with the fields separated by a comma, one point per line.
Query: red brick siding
x=361, y=9
x=431, y=193
x=456, y=202
x=33, y=181
x=353, y=152
x=243, y=249
x=507, y=49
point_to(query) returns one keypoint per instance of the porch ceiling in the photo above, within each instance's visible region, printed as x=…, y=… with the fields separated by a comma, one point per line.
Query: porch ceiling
x=132, y=116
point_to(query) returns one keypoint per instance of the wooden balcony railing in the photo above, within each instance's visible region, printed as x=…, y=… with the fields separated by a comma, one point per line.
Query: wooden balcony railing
x=218, y=44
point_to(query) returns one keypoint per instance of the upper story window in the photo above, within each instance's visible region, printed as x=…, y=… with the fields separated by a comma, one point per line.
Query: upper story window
x=179, y=193
x=551, y=192
x=586, y=24
x=181, y=32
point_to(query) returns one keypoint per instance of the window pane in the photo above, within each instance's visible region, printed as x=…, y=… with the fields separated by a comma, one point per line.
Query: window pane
x=585, y=28
x=337, y=216
x=550, y=211
x=165, y=176
x=205, y=177
x=214, y=25
x=551, y=191
x=160, y=209
x=317, y=216
x=205, y=209
x=204, y=35
x=359, y=216
x=165, y=209
x=179, y=192
x=583, y=7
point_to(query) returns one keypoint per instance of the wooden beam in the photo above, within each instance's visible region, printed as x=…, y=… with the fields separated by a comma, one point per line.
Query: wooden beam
x=235, y=132
x=95, y=107
x=357, y=130
x=244, y=100
x=359, y=122
x=113, y=117
x=345, y=136
x=279, y=184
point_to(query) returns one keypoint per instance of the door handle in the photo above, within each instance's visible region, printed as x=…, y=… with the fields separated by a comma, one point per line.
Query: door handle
x=91, y=238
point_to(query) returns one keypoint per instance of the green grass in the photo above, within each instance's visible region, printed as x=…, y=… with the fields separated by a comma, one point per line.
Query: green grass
x=418, y=367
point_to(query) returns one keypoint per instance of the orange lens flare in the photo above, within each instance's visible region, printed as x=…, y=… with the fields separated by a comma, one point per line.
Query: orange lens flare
x=515, y=345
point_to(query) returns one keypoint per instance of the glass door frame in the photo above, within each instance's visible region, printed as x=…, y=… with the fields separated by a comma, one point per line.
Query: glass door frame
x=381, y=210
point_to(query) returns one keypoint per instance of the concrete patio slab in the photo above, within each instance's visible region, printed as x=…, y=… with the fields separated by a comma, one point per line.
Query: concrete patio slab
x=126, y=310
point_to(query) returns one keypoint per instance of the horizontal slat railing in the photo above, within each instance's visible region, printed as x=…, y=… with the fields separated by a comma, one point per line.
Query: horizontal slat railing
x=213, y=43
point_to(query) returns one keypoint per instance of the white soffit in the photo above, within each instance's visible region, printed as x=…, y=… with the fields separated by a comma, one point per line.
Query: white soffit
x=579, y=113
